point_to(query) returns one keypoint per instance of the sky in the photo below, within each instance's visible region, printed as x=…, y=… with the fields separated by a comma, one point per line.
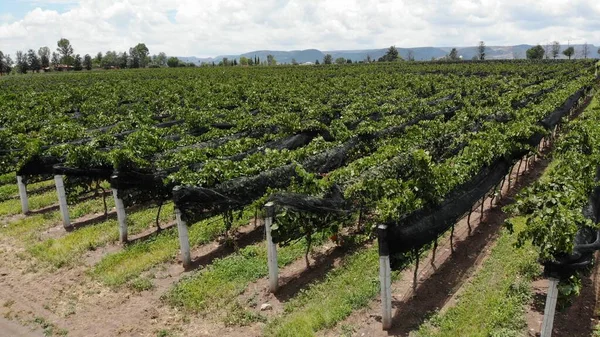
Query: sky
x=210, y=28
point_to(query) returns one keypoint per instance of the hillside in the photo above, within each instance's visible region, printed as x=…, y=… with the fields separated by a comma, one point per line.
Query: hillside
x=420, y=54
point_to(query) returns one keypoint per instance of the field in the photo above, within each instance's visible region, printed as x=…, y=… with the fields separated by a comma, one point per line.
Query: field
x=451, y=157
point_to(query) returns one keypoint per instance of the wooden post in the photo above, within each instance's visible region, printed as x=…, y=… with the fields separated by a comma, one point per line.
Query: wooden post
x=385, y=277
x=184, y=240
x=23, y=195
x=62, y=200
x=550, y=308
x=271, y=248
x=121, y=216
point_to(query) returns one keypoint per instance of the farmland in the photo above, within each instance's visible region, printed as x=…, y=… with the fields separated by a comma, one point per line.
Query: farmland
x=419, y=147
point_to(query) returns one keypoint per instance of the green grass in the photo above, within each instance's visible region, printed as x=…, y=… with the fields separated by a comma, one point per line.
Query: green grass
x=493, y=304
x=8, y=178
x=70, y=248
x=324, y=304
x=218, y=285
x=116, y=269
x=28, y=229
x=11, y=191
x=36, y=201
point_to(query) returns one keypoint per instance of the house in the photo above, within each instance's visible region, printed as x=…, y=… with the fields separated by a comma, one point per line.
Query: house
x=63, y=67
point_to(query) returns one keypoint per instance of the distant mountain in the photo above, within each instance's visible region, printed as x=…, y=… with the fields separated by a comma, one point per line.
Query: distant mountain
x=420, y=54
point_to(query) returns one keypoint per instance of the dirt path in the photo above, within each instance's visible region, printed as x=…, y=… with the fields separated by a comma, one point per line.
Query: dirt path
x=12, y=329
x=439, y=281
x=69, y=300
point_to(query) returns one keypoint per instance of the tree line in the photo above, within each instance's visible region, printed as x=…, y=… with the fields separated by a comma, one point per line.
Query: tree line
x=64, y=58
x=553, y=50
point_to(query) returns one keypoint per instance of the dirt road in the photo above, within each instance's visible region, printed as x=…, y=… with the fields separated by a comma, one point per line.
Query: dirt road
x=13, y=329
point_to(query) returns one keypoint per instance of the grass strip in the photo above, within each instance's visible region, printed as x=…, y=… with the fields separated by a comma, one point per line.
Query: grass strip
x=8, y=178
x=218, y=285
x=350, y=287
x=37, y=201
x=11, y=191
x=70, y=248
x=116, y=269
x=28, y=229
x=493, y=303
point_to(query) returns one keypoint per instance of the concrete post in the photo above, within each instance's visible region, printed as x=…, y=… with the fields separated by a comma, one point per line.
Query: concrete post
x=121, y=216
x=385, y=277
x=271, y=248
x=184, y=240
x=550, y=308
x=23, y=195
x=62, y=200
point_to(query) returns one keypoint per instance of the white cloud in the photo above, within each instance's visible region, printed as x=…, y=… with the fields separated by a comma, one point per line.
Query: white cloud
x=209, y=28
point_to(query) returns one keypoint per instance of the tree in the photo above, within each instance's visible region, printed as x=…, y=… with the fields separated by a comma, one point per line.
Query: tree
x=535, y=53
x=33, y=61
x=340, y=60
x=66, y=51
x=317, y=60
x=173, y=62
x=235, y=63
x=77, y=63
x=555, y=49
x=250, y=61
x=55, y=59
x=598, y=51
x=98, y=58
x=585, y=50
x=3, y=67
x=123, y=59
x=294, y=62
x=453, y=56
x=139, y=55
x=110, y=59
x=481, y=51
x=271, y=60
x=391, y=55
x=411, y=55
x=44, y=54
x=569, y=52
x=160, y=59
x=243, y=61
x=349, y=61
x=87, y=62
x=328, y=59
x=547, y=51
x=21, y=62
x=8, y=64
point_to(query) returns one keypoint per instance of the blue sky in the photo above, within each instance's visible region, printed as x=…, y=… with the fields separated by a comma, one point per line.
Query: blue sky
x=17, y=9
x=216, y=27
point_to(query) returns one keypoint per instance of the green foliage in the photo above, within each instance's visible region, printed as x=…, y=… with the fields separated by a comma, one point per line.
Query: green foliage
x=554, y=204
x=536, y=53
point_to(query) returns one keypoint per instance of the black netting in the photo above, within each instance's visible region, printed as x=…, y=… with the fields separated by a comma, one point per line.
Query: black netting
x=425, y=225
x=333, y=202
x=197, y=203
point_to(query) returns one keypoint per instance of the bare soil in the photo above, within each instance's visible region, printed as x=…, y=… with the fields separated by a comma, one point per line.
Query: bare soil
x=69, y=299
